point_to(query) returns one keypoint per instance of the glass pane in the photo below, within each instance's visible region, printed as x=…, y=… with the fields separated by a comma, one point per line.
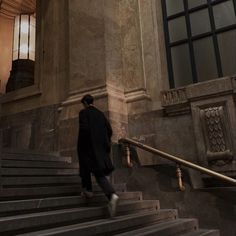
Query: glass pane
x=177, y=29
x=227, y=48
x=181, y=65
x=224, y=14
x=195, y=3
x=200, y=22
x=24, y=32
x=16, y=38
x=174, y=6
x=32, y=38
x=205, y=59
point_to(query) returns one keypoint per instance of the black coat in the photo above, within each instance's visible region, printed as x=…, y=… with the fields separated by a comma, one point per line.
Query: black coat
x=94, y=142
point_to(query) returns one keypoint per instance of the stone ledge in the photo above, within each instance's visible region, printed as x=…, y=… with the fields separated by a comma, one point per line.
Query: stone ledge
x=177, y=101
x=20, y=94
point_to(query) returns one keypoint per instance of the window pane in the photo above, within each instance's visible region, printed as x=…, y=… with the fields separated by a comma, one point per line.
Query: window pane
x=181, y=65
x=24, y=38
x=177, y=29
x=224, y=14
x=195, y=3
x=205, y=59
x=16, y=38
x=32, y=38
x=174, y=6
x=200, y=22
x=227, y=48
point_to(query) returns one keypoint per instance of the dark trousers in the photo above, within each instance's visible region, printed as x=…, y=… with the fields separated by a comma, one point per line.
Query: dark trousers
x=102, y=182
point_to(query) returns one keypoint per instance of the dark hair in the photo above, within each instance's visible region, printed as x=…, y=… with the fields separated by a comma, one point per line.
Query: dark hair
x=87, y=99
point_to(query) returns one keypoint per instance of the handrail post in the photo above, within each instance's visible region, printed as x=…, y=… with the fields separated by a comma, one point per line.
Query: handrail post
x=127, y=155
x=179, y=176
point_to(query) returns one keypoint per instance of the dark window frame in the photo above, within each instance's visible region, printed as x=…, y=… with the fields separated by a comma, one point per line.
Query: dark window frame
x=190, y=40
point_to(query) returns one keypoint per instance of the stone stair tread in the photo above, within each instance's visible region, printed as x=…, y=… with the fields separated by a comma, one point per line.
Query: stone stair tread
x=72, y=188
x=38, y=172
x=40, y=203
x=29, y=156
x=53, y=212
x=203, y=232
x=39, y=164
x=66, y=216
x=106, y=225
x=34, y=180
x=162, y=227
x=39, y=191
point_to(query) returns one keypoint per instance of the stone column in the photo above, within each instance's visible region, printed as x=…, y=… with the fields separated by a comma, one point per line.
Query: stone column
x=52, y=46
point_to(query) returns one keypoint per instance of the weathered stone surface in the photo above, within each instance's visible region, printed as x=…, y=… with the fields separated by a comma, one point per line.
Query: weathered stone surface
x=173, y=135
x=35, y=129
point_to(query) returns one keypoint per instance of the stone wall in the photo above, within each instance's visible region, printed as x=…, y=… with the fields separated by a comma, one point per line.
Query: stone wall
x=174, y=135
x=32, y=130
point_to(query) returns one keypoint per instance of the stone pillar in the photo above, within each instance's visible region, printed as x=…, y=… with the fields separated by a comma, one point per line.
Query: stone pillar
x=53, y=55
x=143, y=48
x=132, y=49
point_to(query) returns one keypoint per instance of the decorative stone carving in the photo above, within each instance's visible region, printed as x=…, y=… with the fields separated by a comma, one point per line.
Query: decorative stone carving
x=214, y=122
x=175, y=102
x=173, y=96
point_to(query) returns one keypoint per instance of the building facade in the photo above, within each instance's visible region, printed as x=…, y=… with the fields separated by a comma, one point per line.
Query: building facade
x=163, y=71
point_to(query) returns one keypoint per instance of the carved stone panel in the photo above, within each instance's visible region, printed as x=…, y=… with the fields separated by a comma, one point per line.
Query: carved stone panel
x=216, y=133
x=214, y=130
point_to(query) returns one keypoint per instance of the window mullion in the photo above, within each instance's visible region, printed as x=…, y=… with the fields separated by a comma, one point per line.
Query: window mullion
x=215, y=42
x=190, y=43
x=168, y=48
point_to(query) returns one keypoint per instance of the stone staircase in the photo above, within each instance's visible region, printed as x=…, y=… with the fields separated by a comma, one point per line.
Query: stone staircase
x=40, y=196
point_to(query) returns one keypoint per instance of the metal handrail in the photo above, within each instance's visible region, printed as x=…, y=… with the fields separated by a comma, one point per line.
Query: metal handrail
x=178, y=160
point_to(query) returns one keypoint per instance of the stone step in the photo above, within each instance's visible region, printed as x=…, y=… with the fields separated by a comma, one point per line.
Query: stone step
x=67, y=216
x=174, y=227
x=39, y=164
x=203, y=232
x=21, y=193
x=34, y=157
x=37, y=172
x=110, y=226
x=33, y=205
x=39, y=191
x=42, y=180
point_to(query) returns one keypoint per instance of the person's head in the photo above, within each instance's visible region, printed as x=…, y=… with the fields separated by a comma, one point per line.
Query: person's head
x=87, y=100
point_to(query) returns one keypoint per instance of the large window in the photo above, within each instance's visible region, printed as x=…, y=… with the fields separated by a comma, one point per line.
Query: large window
x=200, y=39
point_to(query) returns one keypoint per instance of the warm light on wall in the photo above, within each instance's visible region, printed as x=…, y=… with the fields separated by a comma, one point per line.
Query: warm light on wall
x=24, y=37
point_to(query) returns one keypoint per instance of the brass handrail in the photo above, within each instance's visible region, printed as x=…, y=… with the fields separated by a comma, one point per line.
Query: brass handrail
x=178, y=160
